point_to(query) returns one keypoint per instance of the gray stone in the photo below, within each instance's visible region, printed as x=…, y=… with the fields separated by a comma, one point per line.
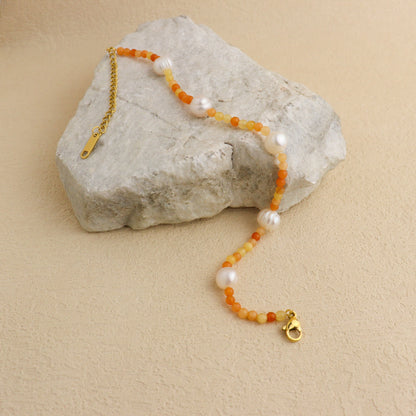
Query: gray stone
x=157, y=163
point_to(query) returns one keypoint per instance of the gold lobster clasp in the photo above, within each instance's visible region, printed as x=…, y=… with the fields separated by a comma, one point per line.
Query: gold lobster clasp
x=292, y=328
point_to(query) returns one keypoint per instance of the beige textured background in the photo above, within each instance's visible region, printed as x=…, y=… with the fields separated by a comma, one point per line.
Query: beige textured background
x=131, y=323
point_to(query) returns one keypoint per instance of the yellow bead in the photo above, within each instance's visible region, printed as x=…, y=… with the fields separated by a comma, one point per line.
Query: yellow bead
x=280, y=316
x=277, y=196
x=172, y=82
x=248, y=246
x=242, y=124
x=265, y=131
x=231, y=259
x=167, y=71
x=250, y=125
x=227, y=118
x=178, y=91
x=283, y=165
x=253, y=242
x=219, y=116
x=149, y=54
x=169, y=77
x=261, y=231
x=261, y=318
x=281, y=157
x=242, y=251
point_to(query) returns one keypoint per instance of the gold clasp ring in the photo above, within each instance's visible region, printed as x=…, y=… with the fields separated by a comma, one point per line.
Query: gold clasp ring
x=292, y=328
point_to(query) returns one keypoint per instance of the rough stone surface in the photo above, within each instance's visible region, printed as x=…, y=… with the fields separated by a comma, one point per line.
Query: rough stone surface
x=157, y=163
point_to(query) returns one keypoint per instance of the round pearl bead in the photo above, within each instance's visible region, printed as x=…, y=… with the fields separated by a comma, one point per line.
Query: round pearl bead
x=226, y=276
x=161, y=64
x=275, y=143
x=199, y=106
x=268, y=219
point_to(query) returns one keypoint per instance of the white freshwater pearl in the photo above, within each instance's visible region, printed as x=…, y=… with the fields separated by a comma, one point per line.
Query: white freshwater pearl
x=275, y=143
x=199, y=106
x=268, y=219
x=161, y=64
x=226, y=276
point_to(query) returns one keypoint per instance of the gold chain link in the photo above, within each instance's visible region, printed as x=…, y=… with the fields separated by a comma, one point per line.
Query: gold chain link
x=112, y=105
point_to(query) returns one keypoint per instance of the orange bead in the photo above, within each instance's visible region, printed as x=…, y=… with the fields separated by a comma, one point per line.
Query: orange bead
x=256, y=236
x=132, y=52
x=280, y=182
x=182, y=95
x=274, y=206
x=242, y=313
x=153, y=57
x=189, y=99
x=252, y=315
x=237, y=256
x=137, y=54
x=227, y=264
x=234, y=121
x=282, y=173
x=258, y=126
x=229, y=300
x=120, y=50
x=175, y=87
x=211, y=112
x=271, y=316
x=228, y=291
x=144, y=53
x=236, y=307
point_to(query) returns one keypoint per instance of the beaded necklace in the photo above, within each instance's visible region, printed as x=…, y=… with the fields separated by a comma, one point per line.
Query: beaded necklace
x=268, y=218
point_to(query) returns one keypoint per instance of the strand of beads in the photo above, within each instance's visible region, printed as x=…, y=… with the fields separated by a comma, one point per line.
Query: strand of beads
x=268, y=218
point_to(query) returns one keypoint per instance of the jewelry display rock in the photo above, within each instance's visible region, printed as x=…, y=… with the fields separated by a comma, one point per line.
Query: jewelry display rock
x=157, y=163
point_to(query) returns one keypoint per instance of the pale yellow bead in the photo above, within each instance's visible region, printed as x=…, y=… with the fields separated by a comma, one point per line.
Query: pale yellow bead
x=248, y=246
x=261, y=318
x=242, y=251
x=178, y=91
x=283, y=165
x=219, y=116
x=242, y=124
x=172, y=82
x=265, y=131
x=169, y=77
x=261, y=230
x=281, y=316
x=227, y=118
x=149, y=54
x=167, y=71
x=282, y=157
x=231, y=259
x=253, y=242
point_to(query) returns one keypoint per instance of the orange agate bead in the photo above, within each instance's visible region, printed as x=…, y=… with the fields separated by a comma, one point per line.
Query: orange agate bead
x=211, y=112
x=234, y=121
x=271, y=316
x=280, y=182
x=258, y=126
x=229, y=300
x=228, y=291
x=282, y=173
